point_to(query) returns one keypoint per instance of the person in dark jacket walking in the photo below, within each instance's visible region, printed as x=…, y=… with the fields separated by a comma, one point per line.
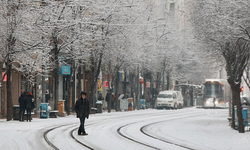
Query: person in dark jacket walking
x=47, y=96
x=29, y=106
x=82, y=110
x=22, y=104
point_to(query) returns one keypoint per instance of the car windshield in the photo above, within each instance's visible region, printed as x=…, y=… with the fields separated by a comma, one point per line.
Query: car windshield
x=245, y=100
x=165, y=96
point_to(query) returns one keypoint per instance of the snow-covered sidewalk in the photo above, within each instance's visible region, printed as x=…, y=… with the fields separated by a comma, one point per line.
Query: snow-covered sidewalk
x=199, y=129
x=211, y=131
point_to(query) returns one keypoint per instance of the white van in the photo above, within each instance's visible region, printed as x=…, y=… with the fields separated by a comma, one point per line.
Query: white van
x=169, y=99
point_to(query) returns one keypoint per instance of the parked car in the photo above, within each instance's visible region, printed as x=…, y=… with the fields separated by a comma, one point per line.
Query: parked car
x=169, y=99
x=245, y=101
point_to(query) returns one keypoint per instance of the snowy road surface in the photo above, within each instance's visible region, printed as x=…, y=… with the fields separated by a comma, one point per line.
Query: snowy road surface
x=189, y=128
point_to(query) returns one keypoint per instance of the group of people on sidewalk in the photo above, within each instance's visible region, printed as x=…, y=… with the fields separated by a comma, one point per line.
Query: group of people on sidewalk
x=81, y=108
x=26, y=104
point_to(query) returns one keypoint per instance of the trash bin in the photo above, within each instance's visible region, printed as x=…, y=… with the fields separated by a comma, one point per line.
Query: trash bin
x=130, y=104
x=124, y=104
x=142, y=104
x=16, y=110
x=245, y=115
x=44, y=111
x=99, y=106
x=61, y=108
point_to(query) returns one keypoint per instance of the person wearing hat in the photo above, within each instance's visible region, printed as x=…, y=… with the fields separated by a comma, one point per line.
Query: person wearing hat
x=82, y=111
x=29, y=106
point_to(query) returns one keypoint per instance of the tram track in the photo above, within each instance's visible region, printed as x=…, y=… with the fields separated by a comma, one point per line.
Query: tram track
x=142, y=129
x=78, y=141
x=96, y=123
x=45, y=135
x=154, y=137
x=166, y=141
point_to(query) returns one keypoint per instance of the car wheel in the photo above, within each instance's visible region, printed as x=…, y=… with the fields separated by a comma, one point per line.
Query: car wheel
x=180, y=106
x=175, y=106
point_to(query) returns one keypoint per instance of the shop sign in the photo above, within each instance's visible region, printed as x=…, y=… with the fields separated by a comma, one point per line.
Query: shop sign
x=65, y=70
x=5, y=77
x=141, y=80
x=99, y=85
x=106, y=84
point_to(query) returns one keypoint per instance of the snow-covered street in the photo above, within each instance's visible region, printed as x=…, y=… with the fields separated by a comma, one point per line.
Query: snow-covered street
x=188, y=128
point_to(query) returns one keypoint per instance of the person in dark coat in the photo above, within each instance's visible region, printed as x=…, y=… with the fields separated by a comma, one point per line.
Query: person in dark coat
x=82, y=110
x=47, y=96
x=22, y=104
x=29, y=106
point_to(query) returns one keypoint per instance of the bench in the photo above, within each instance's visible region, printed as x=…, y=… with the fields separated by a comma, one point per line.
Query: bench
x=93, y=110
x=53, y=113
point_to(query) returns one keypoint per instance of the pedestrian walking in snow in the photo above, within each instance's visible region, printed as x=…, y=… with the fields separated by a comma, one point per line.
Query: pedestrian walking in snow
x=29, y=106
x=22, y=106
x=82, y=110
x=47, y=96
x=214, y=100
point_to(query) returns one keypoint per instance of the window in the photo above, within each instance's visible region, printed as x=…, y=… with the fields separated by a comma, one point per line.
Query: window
x=174, y=96
x=165, y=96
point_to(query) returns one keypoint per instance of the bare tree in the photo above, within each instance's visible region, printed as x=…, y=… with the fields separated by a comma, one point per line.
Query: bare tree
x=223, y=28
x=19, y=40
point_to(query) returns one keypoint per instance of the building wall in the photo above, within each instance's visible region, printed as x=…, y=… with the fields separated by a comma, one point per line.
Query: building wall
x=16, y=91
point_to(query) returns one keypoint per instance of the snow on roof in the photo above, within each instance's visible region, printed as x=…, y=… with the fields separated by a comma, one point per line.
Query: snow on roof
x=169, y=91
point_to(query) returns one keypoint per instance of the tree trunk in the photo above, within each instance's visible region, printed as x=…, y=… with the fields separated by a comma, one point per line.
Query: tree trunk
x=110, y=100
x=237, y=102
x=138, y=88
x=79, y=87
x=9, y=93
x=233, y=112
x=97, y=69
x=110, y=92
x=157, y=87
x=132, y=87
x=73, y=85
x=151, y=89
x=69, y=88
x=56, y=80
x=116, y=78
x=168, y=82
x=163, y=76
x=144, y=85
x=125, y=83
